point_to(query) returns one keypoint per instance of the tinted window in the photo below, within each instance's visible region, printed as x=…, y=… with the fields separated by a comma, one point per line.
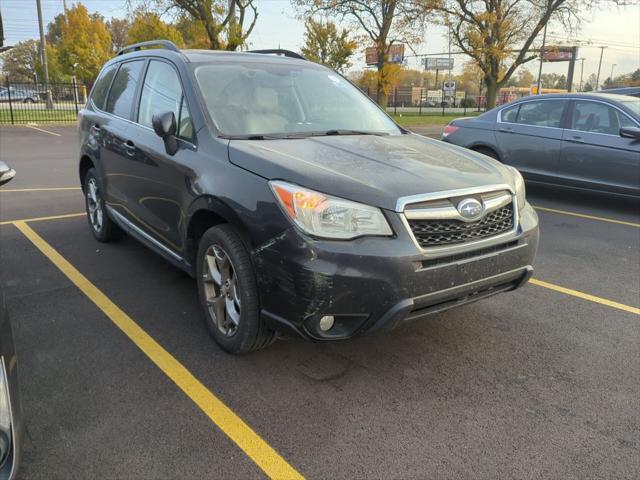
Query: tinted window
x=161, y=92
x=594, y=117
x=101, y=87
x=543, y=113
x=123, y=90
x=510, y=114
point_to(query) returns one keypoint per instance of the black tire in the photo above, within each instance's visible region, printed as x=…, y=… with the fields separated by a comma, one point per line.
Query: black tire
x=249, y=333
x=489, y=152
x=105, y=230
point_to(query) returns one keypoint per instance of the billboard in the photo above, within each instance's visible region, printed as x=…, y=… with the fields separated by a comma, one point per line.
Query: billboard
x=555, y=53
x=437, y=63
x=395, y=54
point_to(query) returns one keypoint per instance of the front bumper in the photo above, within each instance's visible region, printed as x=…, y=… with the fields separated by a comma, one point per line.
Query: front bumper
x=372, y=284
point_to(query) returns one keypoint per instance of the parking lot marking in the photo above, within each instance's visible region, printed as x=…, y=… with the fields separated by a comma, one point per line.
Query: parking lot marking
x=231, y=424
x=43, y=189
x=43, y=130
x=590, y=217
x=40, y=219
x=585, y=296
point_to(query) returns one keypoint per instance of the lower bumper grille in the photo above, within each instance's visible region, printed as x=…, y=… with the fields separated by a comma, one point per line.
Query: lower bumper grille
x=434, y=233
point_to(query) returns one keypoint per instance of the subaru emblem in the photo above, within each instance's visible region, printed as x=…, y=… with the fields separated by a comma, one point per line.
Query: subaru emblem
x=470, y=209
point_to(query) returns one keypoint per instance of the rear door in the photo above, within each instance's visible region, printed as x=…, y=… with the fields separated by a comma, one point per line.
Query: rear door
x=529, y=136
x=594, y=155
x=118, y=137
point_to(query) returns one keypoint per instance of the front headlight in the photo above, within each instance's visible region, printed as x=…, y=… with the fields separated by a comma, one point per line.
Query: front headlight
x=325, y=216
x=521, y=195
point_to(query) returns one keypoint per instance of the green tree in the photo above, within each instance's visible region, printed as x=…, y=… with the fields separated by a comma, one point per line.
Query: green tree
x=54, y=29
x=20, y=63
x=85, y=44
x=227, y=24
x=384, y=22
x=193, y=32
x=56, y=71
x=325, y=44
x=149, y=26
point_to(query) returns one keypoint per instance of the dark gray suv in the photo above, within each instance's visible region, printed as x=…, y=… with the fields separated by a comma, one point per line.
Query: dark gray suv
x=298, y=205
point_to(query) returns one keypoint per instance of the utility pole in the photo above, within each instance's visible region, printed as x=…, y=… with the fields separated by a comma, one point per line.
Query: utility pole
x=581, y=70
x=599, y=66
x=544, y=43
x=43, y=57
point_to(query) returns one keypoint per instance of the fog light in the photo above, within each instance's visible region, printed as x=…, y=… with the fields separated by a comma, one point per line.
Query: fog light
x=326, y=323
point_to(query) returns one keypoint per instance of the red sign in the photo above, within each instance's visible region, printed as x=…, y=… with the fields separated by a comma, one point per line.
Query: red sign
x=557, y=54
x=395, y=54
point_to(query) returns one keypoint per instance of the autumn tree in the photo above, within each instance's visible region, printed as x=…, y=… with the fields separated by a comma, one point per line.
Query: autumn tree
x=327, y=45
x=118, y=28
x=193, y=32
x=499, y=34
x=149, y=26
x=85, y=44
x=20, y=62
x=384, y=22
x=227, y=24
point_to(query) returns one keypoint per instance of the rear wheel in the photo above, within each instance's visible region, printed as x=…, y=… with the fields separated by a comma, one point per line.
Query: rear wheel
x=229, y=293
x=102, y=227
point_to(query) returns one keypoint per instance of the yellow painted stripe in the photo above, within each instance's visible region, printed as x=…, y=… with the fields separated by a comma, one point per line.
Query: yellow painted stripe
x=43, y=189
x=40, y=219
x=44, y=131
x=590, y=217
x=231, y=424
x=585, y=296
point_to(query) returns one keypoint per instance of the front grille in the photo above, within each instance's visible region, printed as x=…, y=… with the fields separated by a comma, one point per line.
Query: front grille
x=435, y=233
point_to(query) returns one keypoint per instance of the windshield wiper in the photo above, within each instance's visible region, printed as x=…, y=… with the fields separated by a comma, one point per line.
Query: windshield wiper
x=353, y=132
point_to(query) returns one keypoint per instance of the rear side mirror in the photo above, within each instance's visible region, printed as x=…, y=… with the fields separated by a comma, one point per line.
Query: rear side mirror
x=164, y=124
x=6, y=173
x=630, y=132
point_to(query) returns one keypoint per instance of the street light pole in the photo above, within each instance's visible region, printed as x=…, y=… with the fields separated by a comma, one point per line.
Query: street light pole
x=599, y=66
x=581, y=70
x=43, y=57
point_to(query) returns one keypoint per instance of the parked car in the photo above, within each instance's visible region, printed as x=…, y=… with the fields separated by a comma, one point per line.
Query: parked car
x=296, y=202
x=18, y=94
x=10, y=411
x=629, y=91
x=589, y=141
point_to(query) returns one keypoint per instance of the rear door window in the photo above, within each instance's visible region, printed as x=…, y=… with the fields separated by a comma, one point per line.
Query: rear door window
x=123, y=90
x=100, y=89
x=542, y=113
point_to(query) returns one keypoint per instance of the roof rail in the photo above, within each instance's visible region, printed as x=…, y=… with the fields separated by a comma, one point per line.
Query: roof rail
x=279, y=51
x=152, y=43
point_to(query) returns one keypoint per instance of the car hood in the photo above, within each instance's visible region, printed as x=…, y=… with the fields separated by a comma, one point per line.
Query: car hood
x=376, y=170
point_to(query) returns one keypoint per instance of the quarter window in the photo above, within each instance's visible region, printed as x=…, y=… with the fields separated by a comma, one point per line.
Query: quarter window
x=510, y=114
x=625, y=122
x=123, y=90
x=100, y=89
x=543, y=113
x=161, y=93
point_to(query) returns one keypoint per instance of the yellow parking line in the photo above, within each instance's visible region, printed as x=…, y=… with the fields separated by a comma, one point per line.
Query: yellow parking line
x=231, y=424
x=590, y=217
x=40, y=219
x=585, y=296
x=43, y=130
x=44, y=189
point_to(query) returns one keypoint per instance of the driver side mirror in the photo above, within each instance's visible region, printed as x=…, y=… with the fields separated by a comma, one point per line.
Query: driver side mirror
x=630, y=132
x=6, y=173
x=164, y=124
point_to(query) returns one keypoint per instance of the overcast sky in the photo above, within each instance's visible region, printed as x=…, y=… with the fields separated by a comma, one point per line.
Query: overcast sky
x=618, y=29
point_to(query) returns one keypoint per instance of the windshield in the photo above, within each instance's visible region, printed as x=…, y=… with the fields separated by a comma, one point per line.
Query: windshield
x=255, y=99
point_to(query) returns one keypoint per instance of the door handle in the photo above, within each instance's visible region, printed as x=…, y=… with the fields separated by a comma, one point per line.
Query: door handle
x=130, y=147
x=506, y=130
x=575, y=139
x=95, y=128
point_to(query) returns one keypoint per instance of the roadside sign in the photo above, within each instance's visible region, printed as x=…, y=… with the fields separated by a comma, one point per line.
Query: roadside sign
x=395, y=54
x=555, y=53
x=449, y=88
x=437, y=63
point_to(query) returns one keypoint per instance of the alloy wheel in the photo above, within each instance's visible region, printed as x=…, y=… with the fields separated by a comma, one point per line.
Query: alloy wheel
x=94, y=205
x=221, y=290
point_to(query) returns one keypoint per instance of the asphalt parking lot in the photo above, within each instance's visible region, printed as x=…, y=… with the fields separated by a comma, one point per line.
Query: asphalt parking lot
x=120, y=379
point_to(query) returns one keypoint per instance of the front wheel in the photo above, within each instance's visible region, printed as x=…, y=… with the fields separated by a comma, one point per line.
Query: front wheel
x=102, y=227
x=229, y=293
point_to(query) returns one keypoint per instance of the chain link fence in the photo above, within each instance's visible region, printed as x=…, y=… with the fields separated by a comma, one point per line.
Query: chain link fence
x=22, y=102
